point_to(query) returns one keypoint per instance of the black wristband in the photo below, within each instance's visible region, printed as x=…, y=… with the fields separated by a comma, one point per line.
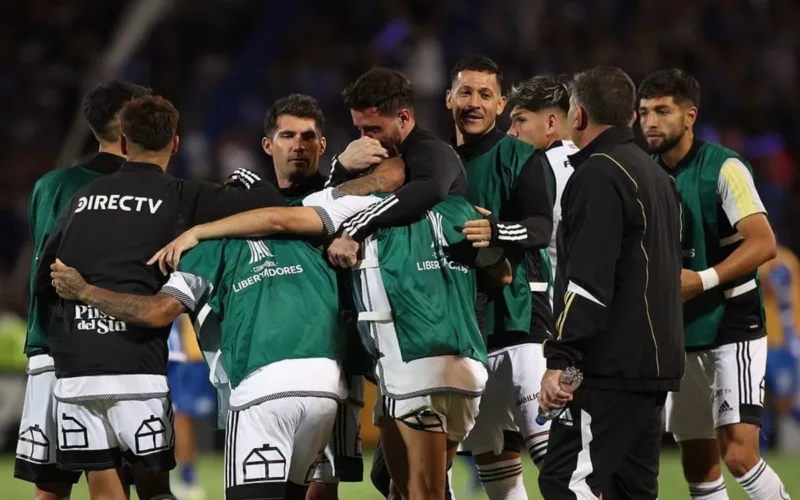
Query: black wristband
x=493, y=222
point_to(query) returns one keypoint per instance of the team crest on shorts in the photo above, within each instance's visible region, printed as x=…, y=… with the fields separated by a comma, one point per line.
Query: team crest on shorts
x=74, y=435
x=37, y=444
x=265, y=463
x=151, y=436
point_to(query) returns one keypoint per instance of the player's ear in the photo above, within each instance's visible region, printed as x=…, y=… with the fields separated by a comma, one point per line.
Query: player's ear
x=448, y=99
x=323, y=144
x=405, y=116
x=690, y=117
x=501, y=104
x=581, y=118
x=175, y=141
x=266, y=145
x=552, y=123
x=123, y=145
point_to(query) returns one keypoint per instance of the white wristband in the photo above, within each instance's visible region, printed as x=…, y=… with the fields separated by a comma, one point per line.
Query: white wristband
x=710, y=278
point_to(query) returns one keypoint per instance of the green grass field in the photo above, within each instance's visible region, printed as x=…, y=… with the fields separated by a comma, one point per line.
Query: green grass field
x=210, y=474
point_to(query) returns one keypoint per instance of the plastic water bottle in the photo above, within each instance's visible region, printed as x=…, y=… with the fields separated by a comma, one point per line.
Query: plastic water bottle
x=571, y=378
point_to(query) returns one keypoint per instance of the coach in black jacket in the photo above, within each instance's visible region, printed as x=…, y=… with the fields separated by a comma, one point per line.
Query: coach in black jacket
x=618, y=303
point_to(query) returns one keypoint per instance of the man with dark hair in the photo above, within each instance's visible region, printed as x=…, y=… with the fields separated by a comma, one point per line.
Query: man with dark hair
x=112, y=395
x=617, y=293
x=512, y=180
x=36, y=448
x=293, y=137
x=429, y=392
x=727, y=237
x=539, y=108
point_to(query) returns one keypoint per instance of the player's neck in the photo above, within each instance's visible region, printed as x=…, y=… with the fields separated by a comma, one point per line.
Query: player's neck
x=113, y=148
x=404, y=133
x=284, y=182
x=562, y=133
x=674, y=156
x=288, y=178
x=591, y=133
x=462, y=138
x=156, y=159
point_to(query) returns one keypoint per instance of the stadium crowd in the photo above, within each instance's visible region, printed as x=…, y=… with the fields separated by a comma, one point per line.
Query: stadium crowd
x=222, y=89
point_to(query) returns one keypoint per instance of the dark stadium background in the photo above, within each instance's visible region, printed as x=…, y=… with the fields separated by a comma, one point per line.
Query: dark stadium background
x=223, y=61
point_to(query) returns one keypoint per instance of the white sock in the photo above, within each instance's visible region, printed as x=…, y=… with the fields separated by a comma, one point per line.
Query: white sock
x=537, y=448
x=503, y=480
x=761, y=483
x=712, y=490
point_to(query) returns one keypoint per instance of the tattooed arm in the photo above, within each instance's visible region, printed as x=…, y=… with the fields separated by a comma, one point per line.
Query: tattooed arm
x=154, y=311
x=386, y=178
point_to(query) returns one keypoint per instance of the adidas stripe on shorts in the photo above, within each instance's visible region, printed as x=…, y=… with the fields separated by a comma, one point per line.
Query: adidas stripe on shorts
x=722, y=386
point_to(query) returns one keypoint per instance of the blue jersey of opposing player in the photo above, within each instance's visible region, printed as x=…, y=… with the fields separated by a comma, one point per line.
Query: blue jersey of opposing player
x=781, y=277
x=187, y=372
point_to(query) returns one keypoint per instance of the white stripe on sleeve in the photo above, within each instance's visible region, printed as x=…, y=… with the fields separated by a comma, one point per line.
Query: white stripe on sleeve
x=579, y=290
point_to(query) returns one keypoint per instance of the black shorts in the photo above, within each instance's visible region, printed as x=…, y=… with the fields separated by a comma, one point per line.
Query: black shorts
x=605, y=442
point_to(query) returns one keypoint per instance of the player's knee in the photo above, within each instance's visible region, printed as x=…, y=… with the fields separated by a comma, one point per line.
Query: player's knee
x=322, y=491
x=153, y=485
x=425, y=490
x=53, y=491
x=739, y=458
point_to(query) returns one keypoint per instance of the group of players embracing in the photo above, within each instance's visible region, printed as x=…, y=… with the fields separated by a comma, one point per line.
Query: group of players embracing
x=422, y=266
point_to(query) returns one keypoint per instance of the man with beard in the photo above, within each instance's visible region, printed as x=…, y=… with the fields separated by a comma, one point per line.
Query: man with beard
x=512, y=180
x=539, y=109
x=428, y=401
x=726, y=236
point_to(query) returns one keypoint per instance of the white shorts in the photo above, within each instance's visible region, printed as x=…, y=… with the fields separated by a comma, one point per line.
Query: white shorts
x=275, y=442
x=38, y=430
x=721, y=386
x=342, y=460
x=99, y=434
x=510, y=402
x=452, y=414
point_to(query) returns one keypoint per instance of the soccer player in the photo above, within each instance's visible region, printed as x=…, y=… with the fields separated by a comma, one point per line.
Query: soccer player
x=512, y=180
x=192, y=399
x=726, y=236
x=112, y=391
x=36, y=447
x=539, y=109
x=381, y=104
x=781, y=277
x=285, y=375
x=312, y=221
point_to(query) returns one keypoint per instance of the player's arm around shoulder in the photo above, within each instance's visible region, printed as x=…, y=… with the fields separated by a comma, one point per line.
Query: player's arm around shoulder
x=154, y=311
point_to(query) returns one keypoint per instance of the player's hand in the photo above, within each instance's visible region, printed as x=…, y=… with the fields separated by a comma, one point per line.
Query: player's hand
x=479, y=232
x=170, y=255
x=362, y=153
x=691, y=284
x=68, y=282
x=552, y=395
x=343, y=251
